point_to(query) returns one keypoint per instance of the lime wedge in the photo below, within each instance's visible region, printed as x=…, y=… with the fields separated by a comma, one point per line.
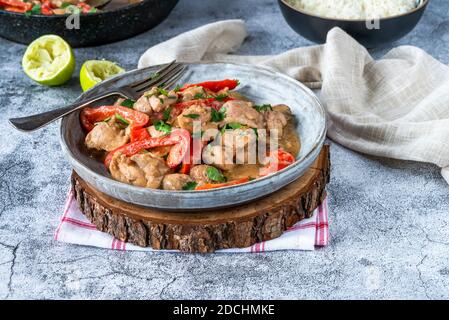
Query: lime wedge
x=49, y=60
x=95, y=71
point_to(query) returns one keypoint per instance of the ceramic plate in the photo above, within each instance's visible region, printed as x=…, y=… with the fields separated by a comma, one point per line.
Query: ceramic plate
x=260, y=84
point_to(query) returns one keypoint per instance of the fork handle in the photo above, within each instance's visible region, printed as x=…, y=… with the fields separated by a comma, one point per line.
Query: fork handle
x=40, y=120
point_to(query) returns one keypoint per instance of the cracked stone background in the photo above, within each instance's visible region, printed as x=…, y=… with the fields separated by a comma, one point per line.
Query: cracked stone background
x=389, y=222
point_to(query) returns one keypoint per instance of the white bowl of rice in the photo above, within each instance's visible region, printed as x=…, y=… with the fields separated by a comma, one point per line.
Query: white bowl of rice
x=371, y=22
x=355, y=9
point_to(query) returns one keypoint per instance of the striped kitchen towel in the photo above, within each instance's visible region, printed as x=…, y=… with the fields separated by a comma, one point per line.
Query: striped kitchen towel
x=307, y=234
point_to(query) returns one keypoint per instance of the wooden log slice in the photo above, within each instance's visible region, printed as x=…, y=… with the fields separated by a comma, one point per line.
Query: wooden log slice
x=207, y=231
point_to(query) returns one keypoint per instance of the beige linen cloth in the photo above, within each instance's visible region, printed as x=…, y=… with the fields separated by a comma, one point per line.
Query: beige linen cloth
x=395, y=107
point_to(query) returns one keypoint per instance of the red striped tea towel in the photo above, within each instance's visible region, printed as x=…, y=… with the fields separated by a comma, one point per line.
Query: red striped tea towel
x=305, y=235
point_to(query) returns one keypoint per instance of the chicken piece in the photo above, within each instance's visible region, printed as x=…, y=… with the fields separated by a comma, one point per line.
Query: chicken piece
x=199, y=174
x=196, y=112
x=193, y=93
x=219, y=156
x=107, y=136
x=276, y=120
x=242, y=112
x=282, y=108
x=142, y=169
x=175, y=181
x=154, y=101
x=233, y=147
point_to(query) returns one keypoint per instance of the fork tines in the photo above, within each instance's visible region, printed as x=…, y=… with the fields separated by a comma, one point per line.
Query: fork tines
x=164, y=77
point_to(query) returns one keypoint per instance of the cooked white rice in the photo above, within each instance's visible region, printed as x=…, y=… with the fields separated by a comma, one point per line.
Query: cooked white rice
x=355, y=9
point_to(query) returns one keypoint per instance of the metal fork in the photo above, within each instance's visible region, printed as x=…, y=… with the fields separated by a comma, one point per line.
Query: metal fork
x=164, y=78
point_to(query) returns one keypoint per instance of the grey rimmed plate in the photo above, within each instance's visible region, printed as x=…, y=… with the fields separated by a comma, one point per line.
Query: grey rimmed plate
x=257, y=83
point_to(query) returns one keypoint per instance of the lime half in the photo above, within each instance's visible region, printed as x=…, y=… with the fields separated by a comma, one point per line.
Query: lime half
x=49, y=60
x=95, y=71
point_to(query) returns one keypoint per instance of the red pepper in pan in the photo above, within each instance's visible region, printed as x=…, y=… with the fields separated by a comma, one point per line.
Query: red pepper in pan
x=90, y=116
x=46, y=8
x=16, y=5
x=214, y=86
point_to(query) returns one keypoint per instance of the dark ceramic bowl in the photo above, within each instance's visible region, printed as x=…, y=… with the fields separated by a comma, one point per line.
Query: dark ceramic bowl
x=315, y=28
x=94, y=28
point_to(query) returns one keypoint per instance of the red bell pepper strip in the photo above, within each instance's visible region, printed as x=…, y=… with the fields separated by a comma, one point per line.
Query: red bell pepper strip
x=181, y=150
x=25, y=6
x=185, y=168
x=179, y=139
x=208, y=186
x=279, y=160
x=214, y=86
x=139, y=134
x=89, y=116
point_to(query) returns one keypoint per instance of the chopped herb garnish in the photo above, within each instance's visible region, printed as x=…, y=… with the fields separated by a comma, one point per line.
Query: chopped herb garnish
x=218, y=116
x=128, y=103
x=161, y=100
x=192, y=116
x=36, y=9
x=215, y=175
x=65, y=5
x=264, y=107
x=190, y=185
x=166, y=114
x=198, y=96
x=107, y=119
x=162, y=126
x=177, y=88
x=221, y=97
x=162, y=91
x=234, y=125
x=231, y=126
x=92, y=10
x=121, y=119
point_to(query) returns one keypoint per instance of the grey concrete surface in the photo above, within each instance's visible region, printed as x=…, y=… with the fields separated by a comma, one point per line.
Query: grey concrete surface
x=389, y=219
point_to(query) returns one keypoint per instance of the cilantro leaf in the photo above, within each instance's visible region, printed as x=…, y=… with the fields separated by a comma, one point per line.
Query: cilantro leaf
x=218, y=116
x=190, y=185
x=221, y=97
x=36, y=9
x=234, y=125
x=162, y=91
x=198, y=96
x=215, y=175
x=128, y=103
x=121, y=119
x=166, y=114
x=263, y=107
x=192, y=116
x=162, y=126
x=177, y=88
